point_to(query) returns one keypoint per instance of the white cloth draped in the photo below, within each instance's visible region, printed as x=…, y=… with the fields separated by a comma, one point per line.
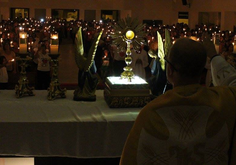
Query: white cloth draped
x=34, y=126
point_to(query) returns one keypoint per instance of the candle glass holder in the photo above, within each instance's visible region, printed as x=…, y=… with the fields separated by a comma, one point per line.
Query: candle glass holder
x=22, y=88
x=54, y=89
x=23, y=42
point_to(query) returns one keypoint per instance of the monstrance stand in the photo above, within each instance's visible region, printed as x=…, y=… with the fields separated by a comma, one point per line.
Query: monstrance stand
x=22, y=88
x=128, y=90
x=128, y=73
x=55, y=90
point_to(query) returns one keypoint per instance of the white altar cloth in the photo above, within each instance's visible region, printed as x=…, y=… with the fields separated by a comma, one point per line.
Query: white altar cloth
x=35, y=126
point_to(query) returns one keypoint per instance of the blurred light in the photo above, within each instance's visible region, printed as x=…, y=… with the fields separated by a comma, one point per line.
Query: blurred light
x=118, y=80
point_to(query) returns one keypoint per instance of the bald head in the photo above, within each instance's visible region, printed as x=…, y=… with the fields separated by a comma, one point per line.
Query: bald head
x=188, y=57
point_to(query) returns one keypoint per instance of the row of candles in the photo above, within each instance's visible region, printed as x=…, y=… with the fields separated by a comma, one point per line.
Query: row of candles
x=30, y=26
x=214, y=32
x=54, y=43
x=49, y=26
x=24, y=29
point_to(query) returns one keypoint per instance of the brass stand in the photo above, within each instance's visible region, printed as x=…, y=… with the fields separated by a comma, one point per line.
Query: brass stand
x=55, y=90
x=128, y=73
x=23, y=87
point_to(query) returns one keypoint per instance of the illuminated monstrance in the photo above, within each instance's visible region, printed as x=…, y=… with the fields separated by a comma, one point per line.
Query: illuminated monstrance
x=128, y=90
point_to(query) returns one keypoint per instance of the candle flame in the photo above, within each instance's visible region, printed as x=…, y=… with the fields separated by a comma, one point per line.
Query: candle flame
x=54, y=37
x=23, y=36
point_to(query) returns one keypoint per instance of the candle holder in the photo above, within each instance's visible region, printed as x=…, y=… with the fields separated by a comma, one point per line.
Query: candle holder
x=54, y=89
x=22, y=88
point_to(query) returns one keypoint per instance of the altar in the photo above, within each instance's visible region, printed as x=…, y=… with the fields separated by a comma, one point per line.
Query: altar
x=36, y=127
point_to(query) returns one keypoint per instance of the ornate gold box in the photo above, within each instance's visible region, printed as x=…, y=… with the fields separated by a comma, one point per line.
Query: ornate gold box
x=119, y=93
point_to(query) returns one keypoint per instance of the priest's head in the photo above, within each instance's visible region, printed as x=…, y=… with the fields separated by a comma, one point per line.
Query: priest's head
x=185, y=62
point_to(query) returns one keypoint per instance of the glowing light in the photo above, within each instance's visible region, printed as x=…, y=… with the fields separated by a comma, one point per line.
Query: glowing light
x=118, y=80
x=129, y=35
x=194, y=38
x=23, y=35
x=54, y=36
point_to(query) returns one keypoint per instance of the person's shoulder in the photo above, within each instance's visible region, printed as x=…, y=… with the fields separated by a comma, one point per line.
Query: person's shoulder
x=232, y=89
x=159, y=102
x=224, y=90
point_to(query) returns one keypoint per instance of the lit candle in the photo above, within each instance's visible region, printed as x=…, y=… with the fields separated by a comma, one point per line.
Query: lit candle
x=1, y=30
x=23, y=42
x=234, y=47
x=54, y=44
